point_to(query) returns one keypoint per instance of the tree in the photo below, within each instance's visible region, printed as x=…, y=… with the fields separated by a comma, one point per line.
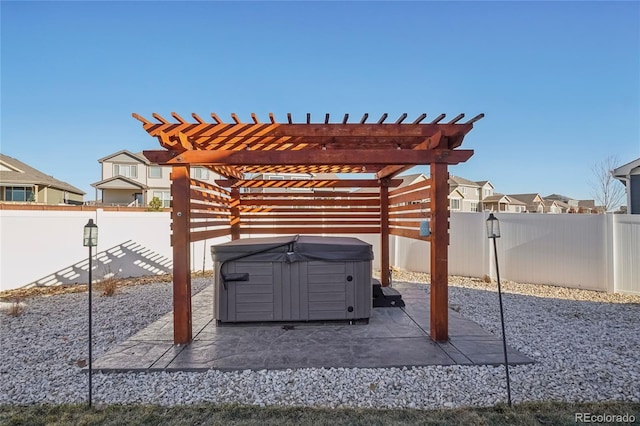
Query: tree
x=607, y=190
x=155, y=205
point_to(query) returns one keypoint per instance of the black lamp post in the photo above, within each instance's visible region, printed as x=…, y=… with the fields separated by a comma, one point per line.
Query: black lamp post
x=90, y=240
x=493, y=232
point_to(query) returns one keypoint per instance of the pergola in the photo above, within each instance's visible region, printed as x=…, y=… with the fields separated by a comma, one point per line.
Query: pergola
x=239, y=205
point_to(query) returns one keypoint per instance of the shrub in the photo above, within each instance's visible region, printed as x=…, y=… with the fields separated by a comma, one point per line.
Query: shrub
x=155, y=205
x=17, y=308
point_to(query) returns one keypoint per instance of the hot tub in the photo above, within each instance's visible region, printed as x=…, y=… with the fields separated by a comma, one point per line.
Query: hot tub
x=293, y=278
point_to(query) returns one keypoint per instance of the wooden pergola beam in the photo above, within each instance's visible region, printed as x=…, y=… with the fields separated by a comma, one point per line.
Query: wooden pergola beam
x=319, y=183
x=369, y=130
x=390, y=171
x=346, y=157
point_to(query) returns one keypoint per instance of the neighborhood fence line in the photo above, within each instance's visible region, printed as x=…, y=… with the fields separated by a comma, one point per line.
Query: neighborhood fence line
x=596, y=252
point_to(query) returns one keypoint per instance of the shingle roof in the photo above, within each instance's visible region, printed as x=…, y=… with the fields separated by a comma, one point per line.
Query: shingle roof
x=558, y=197
x=526, y=198
x=498, y=197
x=137, y=155
x=27, y=175
x=591, y=204
x=462, y=181
x=626, y=169
x=128, y=183
x=407, y=179
x=483, y=182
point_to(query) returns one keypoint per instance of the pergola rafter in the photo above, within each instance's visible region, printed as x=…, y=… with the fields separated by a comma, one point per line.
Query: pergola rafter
x=238, y=151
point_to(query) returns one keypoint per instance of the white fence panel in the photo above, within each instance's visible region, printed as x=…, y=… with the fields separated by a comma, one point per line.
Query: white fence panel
x=468, y=249
x=599, y=252
x=560, y=249
x=626, y=248
x=35, y=244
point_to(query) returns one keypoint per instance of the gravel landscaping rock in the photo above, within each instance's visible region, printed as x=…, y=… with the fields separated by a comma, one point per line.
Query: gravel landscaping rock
x=585, y=345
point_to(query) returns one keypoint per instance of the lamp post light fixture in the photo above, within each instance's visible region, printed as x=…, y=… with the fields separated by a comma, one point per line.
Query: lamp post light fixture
x=493, y=232
x=90, y=239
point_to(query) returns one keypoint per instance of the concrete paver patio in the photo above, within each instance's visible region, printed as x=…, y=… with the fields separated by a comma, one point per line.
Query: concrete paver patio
x=394, y=337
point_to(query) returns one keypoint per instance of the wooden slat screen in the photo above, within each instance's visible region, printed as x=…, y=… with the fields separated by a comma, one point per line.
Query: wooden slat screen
x=305, y=212
x=210, y=212
x=408, y=207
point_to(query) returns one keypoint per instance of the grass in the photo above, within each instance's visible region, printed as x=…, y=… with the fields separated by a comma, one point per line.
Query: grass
x=545, y=413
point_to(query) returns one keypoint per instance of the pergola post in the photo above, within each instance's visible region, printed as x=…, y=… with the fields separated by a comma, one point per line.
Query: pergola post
x=439, y=323
x=384, y=232
x=234, y=210
x=180, y=239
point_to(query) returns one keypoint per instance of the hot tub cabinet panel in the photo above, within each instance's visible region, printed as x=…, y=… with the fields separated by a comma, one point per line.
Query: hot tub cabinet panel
x=298, y=290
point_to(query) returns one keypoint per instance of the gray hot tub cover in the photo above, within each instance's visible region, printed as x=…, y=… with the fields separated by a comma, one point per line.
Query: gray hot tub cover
x=296, y=248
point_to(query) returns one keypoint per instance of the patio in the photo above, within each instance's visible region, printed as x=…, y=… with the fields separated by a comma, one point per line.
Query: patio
x=394, y=337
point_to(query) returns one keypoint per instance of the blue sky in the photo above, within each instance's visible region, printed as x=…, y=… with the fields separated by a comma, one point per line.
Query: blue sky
x=559, y=82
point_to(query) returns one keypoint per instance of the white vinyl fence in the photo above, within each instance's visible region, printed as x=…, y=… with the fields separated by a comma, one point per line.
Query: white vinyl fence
x=598, y=252
x=35, y=244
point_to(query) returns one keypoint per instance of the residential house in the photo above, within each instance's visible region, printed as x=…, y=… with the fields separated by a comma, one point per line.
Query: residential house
x=465, y=195
x=20, y=182
x=503, y=203
x=589, y=206
x=130, y=179
x=536, y=204
x=564, y=203
x=629, y=175
x=570, y=205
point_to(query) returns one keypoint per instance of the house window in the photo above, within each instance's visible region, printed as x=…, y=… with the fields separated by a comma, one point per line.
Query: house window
x=19, y=193
x=487, y=192
x=126, y=170
x=164, y=196
x=455, y=204
x=474, y=207
x=200, y=173
x=155, y=172
x=463, y=189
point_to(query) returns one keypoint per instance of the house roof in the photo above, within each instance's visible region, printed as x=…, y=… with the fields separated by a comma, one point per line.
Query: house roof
x=495, y=198
x=560, y=204
x=136, y=156
x=484, y=182
x=625, y=170
x=409, y=179
x=119, y=182
x=17, y=172
x=558, y=197
x=455, y=191
x=526, y=198
x=462, y=181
